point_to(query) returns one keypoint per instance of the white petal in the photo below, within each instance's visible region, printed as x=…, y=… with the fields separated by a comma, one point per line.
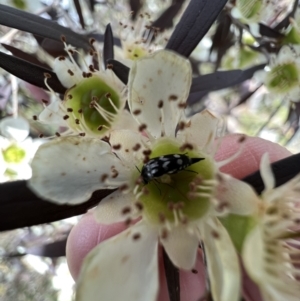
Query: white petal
x=266, y=173
x=200, y=130
x=222, y=260
x=159, y=77
x=110, y=209
x=272, y=287
x=69, y=170
x=181, y=247
x=53, y=114
x=254, y=245
x=126, y=121
x=16, y=128
x=240, y=196
x=121, y=268
x=62, y=69
x=128, y=141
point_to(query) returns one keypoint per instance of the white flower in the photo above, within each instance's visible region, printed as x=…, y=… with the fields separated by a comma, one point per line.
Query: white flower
x=94, y=101
x=138, y=38
x=177, y=210
x=271, y=250
x=16, y=149
x=15, y=158
x=282, y=76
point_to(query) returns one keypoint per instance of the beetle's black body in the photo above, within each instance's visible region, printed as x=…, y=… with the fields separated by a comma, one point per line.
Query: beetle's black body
x=167, y=164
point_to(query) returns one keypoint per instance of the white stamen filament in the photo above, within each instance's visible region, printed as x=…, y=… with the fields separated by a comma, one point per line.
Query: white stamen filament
x=108, y=116
x=72, y=59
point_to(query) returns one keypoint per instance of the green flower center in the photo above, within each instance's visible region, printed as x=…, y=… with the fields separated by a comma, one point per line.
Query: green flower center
x=14, y=154
x=282, y=78
x=135, y=51
x=182, y=196
x=93, y=106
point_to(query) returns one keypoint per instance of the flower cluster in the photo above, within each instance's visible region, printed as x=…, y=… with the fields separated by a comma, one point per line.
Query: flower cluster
x=169, y=191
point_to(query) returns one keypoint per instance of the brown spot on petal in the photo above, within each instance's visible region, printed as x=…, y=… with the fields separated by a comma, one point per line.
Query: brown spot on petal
x=173, y=97
x=103, y=178
x=125, y=258
x=142, y=127
x=215, y=234
x=136, y=236
x=115, y=174
x=139, y=206
x=137, y=112
x=117, y=146
x=123, y=187
x=126, y=210
x=181, y=126
x=147, y=152
x=182, y=105
x=136, y=147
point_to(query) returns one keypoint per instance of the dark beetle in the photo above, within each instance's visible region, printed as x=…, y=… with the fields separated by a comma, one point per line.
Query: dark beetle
x=167, y=164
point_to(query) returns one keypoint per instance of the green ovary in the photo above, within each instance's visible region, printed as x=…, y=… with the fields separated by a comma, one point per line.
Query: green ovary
x=282, y=78
x=14, y=154
x=79, y=99
x=156, y=201
x=135, y=52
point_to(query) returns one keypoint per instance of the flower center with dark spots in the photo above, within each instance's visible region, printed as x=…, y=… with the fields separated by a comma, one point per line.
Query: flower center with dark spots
x=176, y=183
x=92, y=106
